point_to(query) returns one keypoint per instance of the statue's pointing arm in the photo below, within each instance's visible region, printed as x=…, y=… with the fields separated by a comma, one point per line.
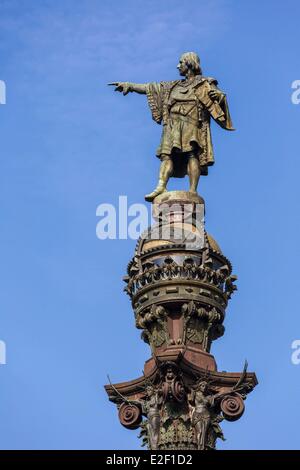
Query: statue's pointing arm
x=126, y=87
x=153, y=90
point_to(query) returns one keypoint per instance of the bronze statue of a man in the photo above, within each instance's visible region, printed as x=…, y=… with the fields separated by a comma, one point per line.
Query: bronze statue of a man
x=184, y=107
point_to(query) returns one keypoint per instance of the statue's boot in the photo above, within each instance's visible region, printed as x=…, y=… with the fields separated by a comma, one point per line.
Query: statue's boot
x=160, y=188
x=165, y=171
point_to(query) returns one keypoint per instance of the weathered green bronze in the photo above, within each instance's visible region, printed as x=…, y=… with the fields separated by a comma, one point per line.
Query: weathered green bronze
x=185, y=108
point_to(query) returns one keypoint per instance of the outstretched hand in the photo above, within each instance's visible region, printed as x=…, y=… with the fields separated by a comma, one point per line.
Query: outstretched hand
x=121, y=87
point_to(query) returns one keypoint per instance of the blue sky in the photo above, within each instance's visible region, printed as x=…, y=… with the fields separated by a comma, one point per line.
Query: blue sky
x=68, y=144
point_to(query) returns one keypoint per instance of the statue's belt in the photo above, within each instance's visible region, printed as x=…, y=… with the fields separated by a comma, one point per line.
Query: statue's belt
x=181, y=117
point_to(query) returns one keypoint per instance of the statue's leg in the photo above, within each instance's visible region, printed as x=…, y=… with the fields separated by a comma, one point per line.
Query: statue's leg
x=165, y=171
x=198, y=429
x=194, y=171
x=156, y=431
x=149, y=429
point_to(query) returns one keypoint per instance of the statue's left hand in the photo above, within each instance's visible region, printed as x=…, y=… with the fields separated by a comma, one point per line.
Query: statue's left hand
x=215, y=95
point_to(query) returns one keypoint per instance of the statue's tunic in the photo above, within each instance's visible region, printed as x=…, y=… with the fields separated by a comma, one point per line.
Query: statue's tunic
x=185, y=110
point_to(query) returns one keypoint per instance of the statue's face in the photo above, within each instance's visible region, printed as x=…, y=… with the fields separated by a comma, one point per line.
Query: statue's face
x=149, y=390
x=202, y=387
x=170, y=374
x=182, y=67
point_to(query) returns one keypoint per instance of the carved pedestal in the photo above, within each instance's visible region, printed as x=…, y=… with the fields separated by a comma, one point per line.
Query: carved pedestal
x=179, y=283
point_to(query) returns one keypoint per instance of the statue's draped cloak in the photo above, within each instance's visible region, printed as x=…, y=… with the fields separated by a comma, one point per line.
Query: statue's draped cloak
x=185, y=112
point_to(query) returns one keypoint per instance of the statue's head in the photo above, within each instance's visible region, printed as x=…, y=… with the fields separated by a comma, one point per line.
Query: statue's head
x=169, y=370
x=170, y=373
x=149, y=390
x=189, y=61
x=202, y=386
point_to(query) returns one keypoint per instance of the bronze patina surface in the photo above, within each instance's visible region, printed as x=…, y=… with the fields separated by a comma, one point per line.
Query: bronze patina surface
x=185, y=108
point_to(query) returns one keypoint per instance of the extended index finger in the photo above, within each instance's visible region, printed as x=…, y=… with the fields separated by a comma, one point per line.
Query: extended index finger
x=113, y=84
